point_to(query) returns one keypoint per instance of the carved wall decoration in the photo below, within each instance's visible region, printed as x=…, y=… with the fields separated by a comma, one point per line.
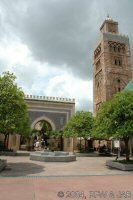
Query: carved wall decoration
x=116, y=47
x=98, y=105
x=98, y=65
x=97, y=51
x=99, y=81
x=118, y=85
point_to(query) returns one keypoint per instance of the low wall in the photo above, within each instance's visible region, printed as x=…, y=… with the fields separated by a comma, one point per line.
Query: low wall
x=14, y=141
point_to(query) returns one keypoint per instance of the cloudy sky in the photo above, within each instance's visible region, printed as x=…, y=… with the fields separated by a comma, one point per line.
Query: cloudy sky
x=49, y=44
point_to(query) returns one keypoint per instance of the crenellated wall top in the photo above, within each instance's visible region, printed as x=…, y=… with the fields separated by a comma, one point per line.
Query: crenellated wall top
x=53, y=99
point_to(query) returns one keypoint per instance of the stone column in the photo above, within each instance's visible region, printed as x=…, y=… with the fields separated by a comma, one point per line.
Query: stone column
x=10, y=142
x=131, y=146
x=68, y=144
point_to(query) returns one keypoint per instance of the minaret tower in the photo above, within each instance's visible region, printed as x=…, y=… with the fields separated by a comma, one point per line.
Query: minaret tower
x=112, y=66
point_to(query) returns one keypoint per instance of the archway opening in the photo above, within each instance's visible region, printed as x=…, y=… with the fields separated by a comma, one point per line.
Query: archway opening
x=41, y=129
x=40, y=133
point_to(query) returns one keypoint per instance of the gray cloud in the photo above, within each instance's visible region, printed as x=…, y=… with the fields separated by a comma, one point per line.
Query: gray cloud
x=63, y=32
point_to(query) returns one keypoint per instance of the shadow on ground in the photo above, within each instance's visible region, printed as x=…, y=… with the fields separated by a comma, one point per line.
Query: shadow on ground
x=21, y=169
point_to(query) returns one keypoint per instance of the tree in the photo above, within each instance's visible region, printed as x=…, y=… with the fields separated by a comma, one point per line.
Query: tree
x=57, y=134
x=44, y=129
x=80, y=125
x=115, y=119
x=14, y=116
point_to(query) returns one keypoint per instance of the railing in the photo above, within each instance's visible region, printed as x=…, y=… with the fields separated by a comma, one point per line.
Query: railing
x=45, y=98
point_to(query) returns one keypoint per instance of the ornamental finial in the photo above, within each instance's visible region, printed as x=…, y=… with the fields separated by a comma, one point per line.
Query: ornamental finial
x=108, y=17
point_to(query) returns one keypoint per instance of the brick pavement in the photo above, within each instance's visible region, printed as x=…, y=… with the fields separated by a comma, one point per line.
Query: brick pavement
x=116, y=187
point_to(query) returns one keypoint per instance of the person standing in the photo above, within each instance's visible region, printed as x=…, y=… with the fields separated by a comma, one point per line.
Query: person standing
x=37, y=144
x=42, y=144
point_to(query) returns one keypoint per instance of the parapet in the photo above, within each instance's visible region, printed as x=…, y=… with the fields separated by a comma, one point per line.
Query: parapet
x=46, y=98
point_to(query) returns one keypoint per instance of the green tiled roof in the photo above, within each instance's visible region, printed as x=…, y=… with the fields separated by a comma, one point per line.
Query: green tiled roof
x=116, y=37
x=129, y=86
x=112, y=37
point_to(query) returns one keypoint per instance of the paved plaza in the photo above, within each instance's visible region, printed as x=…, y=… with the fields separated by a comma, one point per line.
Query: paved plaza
x=23, y=166
x=87, y=177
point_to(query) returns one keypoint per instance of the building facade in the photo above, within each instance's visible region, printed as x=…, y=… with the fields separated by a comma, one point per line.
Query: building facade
x=112, y=63
x=54, y=110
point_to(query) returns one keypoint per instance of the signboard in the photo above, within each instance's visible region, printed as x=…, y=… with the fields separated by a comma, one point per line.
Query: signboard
x=116, y=143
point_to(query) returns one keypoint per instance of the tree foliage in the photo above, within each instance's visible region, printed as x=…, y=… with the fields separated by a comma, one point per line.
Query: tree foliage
x=44, y=129
x=56, y=133
x=115, y=118
x=14, y=116
x=80, y=125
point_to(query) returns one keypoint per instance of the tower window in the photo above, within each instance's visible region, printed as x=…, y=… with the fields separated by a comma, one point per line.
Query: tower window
x=119, y=89
x=118, y=81
x=119, y=49
x=117, y=61
x=114, y=49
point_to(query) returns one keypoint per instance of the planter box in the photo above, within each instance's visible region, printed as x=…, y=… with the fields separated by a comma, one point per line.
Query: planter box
x=91, y=154
x=121, y=166
x=3, y=164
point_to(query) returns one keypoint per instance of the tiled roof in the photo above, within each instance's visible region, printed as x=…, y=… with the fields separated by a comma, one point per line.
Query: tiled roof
x=116, y=37
x=113, y=37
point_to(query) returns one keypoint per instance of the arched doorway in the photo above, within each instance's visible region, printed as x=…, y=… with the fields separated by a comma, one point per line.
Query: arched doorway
x=43, y=119
x=41, y=129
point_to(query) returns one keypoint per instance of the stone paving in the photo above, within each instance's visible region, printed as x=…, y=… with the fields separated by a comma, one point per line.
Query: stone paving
x=87, y=178
x=23, y=166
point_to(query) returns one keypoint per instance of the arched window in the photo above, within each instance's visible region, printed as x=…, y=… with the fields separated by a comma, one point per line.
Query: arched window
x=114, y=48
x=118, y=84
x=119, y=49
x=115, y=61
